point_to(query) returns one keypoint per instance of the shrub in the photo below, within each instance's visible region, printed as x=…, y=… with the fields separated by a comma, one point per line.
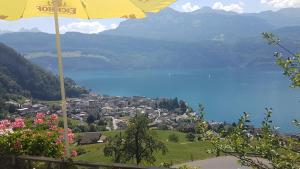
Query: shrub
x=173, y=138
x=38, y=137
x=190, y=137
x=81, y=151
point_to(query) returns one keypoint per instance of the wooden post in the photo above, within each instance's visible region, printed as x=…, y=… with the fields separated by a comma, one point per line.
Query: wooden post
x=61, y=77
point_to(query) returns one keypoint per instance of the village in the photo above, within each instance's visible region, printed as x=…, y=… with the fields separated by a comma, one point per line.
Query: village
x=98, y=113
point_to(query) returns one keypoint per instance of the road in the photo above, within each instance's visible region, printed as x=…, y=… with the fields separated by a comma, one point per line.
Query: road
x=226, y=162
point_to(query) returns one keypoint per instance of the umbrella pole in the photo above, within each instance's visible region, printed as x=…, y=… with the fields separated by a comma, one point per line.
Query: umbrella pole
x=61, y=78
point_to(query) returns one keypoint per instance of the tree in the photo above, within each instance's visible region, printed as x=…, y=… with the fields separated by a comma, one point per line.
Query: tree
x=201, y=126
x=92, y=128
x=115, y=148
x=173, y=138
x=12, y=109
x=190, y=137
x=182, y=106
x=90, y=119
x=138, y=143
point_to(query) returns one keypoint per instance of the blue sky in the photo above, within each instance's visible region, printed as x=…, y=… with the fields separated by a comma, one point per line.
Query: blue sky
x=95, y=26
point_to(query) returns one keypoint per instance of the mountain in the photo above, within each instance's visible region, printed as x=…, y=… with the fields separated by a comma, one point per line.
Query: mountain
x=282, y=18
x=169, y=39
x=19, y=77
x=203, y=24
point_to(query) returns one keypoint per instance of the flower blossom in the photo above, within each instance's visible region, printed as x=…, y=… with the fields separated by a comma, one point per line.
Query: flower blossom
x=74, y=153
x=38, y=121
x=2, y=127
x=54, y=128
x=58, y=141
x=40, y=115
x=53, y=117
x=71, y=137
x=4, y=124
x=18, y=123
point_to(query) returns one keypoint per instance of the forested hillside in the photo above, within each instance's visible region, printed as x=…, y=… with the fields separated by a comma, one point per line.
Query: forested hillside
x=19, y=77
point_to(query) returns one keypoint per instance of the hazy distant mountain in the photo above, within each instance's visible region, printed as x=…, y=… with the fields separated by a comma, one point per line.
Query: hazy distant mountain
x=169, y=39
x=281, y=18
x=29, y=30
x=203, y=24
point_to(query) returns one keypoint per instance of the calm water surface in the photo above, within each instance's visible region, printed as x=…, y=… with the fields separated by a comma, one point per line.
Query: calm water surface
x=226, y=94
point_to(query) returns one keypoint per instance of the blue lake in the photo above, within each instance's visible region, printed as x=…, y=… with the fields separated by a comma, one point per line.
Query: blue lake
x=226, y=94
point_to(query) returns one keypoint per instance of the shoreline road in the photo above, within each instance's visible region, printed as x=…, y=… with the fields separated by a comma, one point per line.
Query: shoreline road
x=225, y=162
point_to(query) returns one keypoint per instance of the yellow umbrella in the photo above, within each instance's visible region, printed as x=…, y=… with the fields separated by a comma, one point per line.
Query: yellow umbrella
x=85, y=9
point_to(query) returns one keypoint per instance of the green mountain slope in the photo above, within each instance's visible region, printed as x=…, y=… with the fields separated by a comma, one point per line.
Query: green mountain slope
x=20, y=77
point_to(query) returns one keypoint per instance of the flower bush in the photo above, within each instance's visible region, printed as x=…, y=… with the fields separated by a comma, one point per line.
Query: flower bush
x=39, y=137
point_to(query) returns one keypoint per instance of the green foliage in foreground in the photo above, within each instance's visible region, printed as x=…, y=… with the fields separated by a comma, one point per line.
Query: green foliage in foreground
x=263, y=149
x=290, y=64
x=178, y=153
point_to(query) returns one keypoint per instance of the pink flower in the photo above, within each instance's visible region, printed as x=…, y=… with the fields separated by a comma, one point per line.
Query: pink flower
x=38, y=121
x=61, y=131
x=40, y=115
x=71, y=137
x=19, y=123
x=54, y=128
x=74, y=153
x=53, y=117
x=4, y=124
x=2, y=127
x=58, y=141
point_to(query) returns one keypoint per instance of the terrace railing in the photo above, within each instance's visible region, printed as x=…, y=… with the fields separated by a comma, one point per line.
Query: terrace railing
x=31, y=162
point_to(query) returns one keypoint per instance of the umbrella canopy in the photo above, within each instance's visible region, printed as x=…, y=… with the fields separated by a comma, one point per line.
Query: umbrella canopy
x=84, y=9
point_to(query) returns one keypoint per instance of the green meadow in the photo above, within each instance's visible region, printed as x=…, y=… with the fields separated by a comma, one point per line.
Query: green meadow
x=180, y=152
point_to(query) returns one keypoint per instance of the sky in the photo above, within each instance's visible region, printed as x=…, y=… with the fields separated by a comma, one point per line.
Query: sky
x=96, y=26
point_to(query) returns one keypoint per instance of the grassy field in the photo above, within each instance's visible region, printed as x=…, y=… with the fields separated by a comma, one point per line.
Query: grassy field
x=180, y=152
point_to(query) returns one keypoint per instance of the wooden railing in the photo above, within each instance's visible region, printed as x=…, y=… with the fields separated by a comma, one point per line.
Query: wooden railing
x=31, y=162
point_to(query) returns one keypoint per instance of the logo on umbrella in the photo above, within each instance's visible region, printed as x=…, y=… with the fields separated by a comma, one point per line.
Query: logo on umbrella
x=144, y=1
x=59, y=3
x=63, y=8
x=3, y=17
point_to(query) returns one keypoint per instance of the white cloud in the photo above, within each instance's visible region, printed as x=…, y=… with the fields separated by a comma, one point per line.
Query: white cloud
x=87, y=27
x=281, y=3
x=238, y=7
x=189, y=7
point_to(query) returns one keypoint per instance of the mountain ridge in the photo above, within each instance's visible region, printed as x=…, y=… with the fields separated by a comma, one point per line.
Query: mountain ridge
x=170, y=39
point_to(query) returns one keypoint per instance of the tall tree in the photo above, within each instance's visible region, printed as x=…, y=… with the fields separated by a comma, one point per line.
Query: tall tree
x=115, y=148
x=90, y=119
x=139, y=143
